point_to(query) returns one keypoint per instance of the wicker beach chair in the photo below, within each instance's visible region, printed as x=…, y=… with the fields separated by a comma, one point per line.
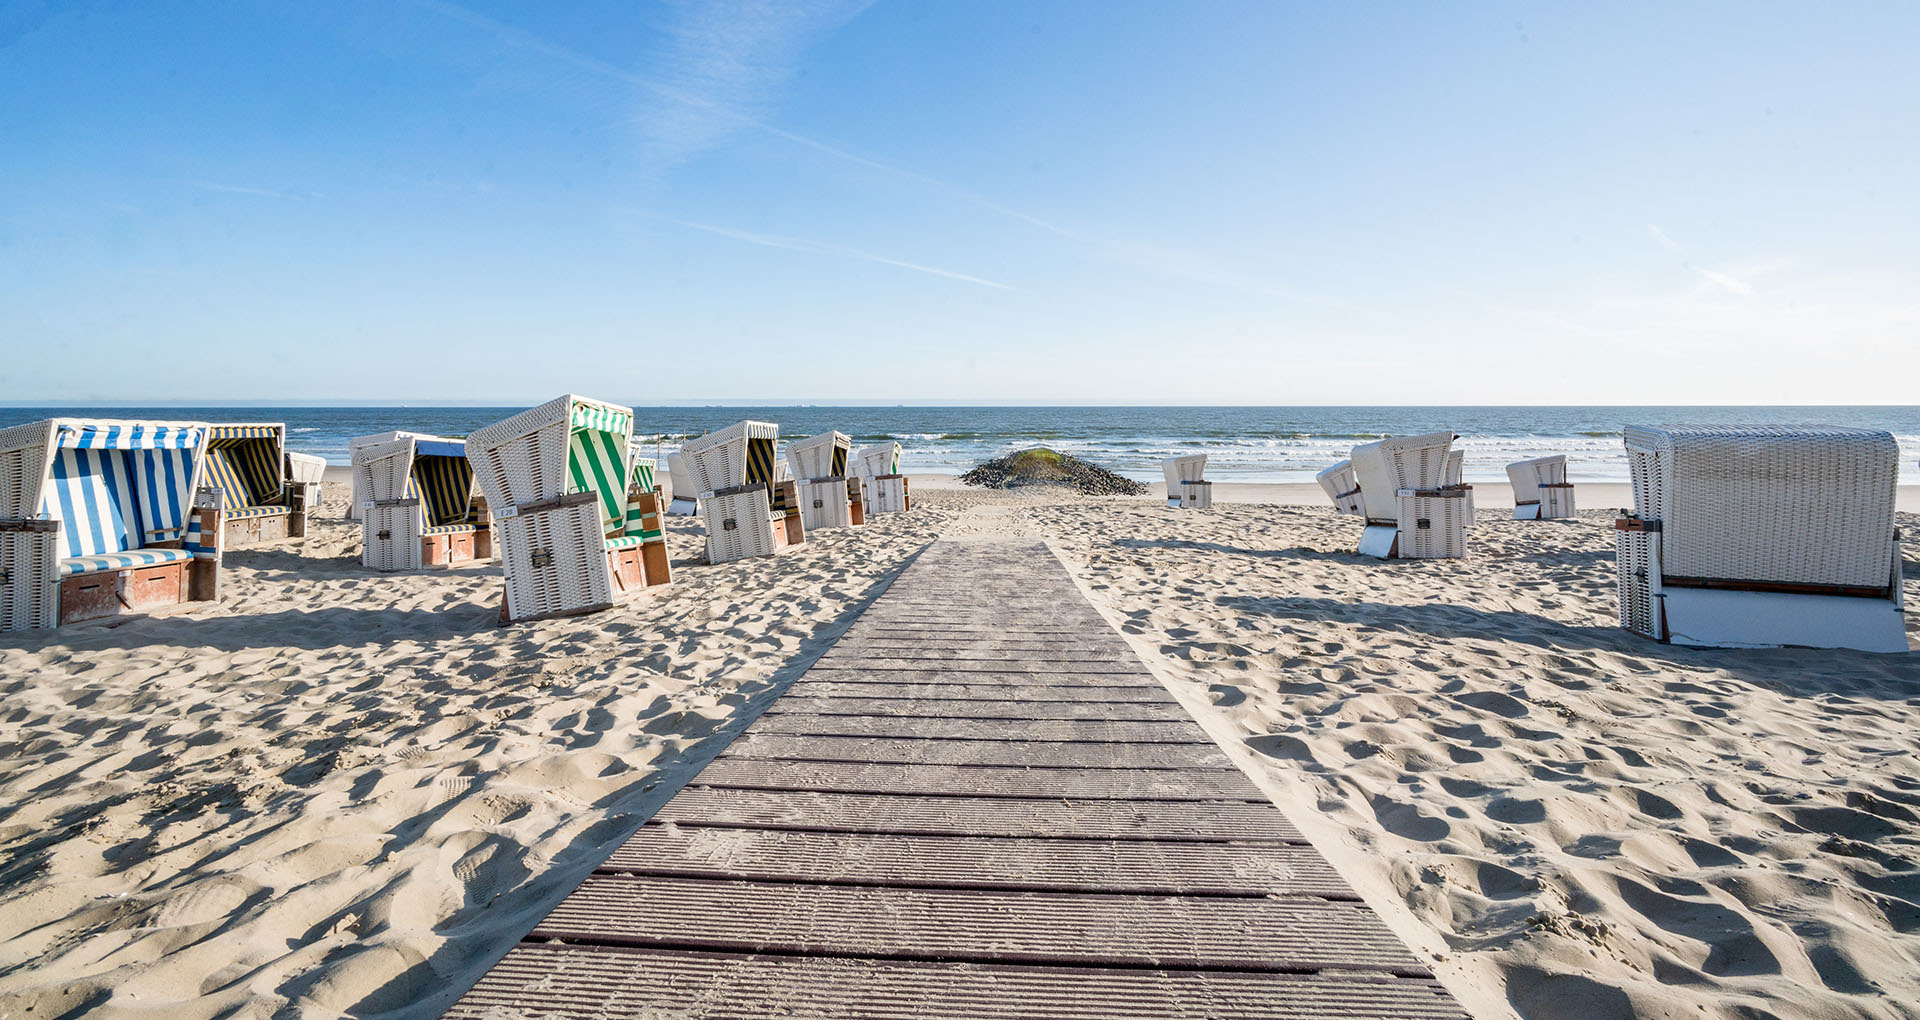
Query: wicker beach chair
x=819, y=464
x=421, y=509
x=259, y=503
x=1185, y=485
x=1540, y=488
x=1758, y=536
x=556, y=480
x=748, y=511
x=99, y=517
x=1411, y=510
x=1343, y=488
x=377, y=439
x=878, y=468
x=685, y=499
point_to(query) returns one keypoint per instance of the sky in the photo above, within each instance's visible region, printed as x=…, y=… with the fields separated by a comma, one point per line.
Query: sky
x=969, y=201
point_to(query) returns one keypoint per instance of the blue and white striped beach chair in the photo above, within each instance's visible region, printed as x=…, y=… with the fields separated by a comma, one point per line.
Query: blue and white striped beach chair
x=97, y=518
x=420, y=507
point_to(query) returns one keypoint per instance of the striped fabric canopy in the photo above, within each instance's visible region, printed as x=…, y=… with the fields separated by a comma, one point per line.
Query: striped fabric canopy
x=130, y=437
x=597, y=458
x=445, y=486
x=245, y=462
x=113, y=500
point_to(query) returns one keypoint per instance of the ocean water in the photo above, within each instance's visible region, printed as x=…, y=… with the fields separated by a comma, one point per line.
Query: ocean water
x=1243, y=444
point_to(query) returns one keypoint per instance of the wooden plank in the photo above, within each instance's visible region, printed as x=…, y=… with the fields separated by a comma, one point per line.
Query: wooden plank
x=563, y=982
x=933, y=751
x=1039, y=690
x=969, y=667
x=1202, y=822
x=1150, y=731
x=977, y=708
x=974, y=862
x=1089, y=929
x=982, y=780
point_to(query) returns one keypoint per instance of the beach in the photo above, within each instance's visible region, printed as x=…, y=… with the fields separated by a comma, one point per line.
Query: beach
x=344, y=793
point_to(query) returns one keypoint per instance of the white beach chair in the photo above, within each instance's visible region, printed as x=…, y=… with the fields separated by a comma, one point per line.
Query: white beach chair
x=1343, y=488
x=1758, y=536
x=1540, y=488
x=569, y=537
x=1411, y=510
x=259, y=502
x=359, y=491
x=1185, y=485
x=819, y=464
x=421, y=509
x=100, y=517
x=747, y=510
x=878, y=468
x=685, y=498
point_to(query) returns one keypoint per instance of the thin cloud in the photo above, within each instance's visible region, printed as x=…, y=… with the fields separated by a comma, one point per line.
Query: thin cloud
x=819, y=248
x=236, y=189
x=1725, y=281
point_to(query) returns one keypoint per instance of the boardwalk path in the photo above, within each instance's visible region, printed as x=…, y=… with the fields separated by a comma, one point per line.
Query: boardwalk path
x=978, y=804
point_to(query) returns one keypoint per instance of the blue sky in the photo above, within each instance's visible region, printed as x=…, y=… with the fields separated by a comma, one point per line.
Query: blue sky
x=1112, y=202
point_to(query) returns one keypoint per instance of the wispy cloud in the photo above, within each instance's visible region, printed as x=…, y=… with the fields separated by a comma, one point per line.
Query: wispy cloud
x=1725, y=281
x=820, y=248
x=236, y=189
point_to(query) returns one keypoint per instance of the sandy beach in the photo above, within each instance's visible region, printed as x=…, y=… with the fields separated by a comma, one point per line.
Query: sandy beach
x=342, y=793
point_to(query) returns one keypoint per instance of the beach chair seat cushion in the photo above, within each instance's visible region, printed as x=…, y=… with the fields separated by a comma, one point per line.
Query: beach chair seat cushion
x=122, y=560
x=241, y=513
x=451, y=529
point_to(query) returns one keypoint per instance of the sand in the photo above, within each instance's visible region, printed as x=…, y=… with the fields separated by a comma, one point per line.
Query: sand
x=341, y=793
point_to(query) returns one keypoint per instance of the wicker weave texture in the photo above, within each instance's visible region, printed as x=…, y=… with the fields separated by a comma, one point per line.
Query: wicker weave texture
x=1343, y=487
x=555, y=561
x=1635, y=574
x=824, y=504
x=718, y=460
x=1385, y=467
x=353, y=445
x=738, y=525
x=813, y=457
x=1433, y=527
x=886, y=495
x=1769, y=504
x=390, y=536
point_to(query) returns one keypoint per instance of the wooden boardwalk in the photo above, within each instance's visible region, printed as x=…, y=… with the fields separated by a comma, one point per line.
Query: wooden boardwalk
x=978, y=804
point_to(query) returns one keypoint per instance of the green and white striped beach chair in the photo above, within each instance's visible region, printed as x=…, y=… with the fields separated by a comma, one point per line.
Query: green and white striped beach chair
x=879, y=470
x=556, y=480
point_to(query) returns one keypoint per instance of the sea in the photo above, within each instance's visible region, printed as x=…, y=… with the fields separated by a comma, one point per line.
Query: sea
x=1242, y=444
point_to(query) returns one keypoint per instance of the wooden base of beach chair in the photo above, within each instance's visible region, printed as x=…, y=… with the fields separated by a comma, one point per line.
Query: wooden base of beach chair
x=856, y=504
x=446, y=550
x=1433, y=522
x=554, y=558
x=741, y=523
x=115, y=592
x=1190, y=495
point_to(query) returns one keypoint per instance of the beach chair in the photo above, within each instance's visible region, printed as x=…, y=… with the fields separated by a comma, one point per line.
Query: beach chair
x=1540, y=488
x=1343, y=488
x=98, y=517
x=1412, y=511
x=359, y=491
x=247, y=464
x=1758, y=536
x=819, y=463
x=1185, y=486
x=685, y=501
x=878, y=468
x=556, y=480
x=748, y=511
x=421, y=509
